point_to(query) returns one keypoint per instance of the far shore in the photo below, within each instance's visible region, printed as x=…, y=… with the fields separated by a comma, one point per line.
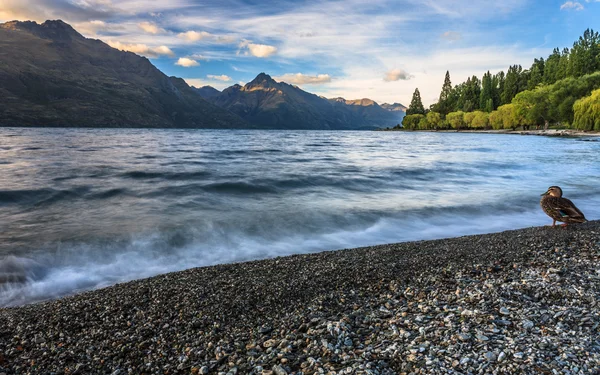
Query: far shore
x=522, y=301
x=547, y=133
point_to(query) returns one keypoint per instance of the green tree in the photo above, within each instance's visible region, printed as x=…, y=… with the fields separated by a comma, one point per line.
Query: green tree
x=456, y=119
x=551, y=67
x=468, y=119
x=565, y=92
x=434, y=120
x=485, y=97
x=511, y=83
x=480, y=120
x=411, y=122
x=445, y=104
x=534, y=106
x=587, y=112
x=585, y=54
x=536, y=73
x=416, y=105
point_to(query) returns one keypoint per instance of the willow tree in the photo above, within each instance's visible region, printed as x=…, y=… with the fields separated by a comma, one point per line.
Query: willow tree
x=587, y=112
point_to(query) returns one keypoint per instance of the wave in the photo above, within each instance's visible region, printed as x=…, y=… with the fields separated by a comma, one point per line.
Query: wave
x=77, y=267
x=142, y=175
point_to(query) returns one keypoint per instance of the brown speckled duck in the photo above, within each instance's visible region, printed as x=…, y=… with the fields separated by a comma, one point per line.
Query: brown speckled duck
x=559, y=208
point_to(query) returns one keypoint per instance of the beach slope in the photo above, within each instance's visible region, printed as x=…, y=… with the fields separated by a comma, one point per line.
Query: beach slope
x=522, y=301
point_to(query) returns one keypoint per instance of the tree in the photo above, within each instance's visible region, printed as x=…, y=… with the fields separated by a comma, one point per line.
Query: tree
x=480, y=119
x=485, y=97
x=456, y=119
x=511, y=83
x=411, y=122
x=585, y=54
x=565, y=92
x=416, y=105
x=444, y=104
x=536, y=75
x=551, y=67
x=535, y=107
x=434, y=120
x=587, y=112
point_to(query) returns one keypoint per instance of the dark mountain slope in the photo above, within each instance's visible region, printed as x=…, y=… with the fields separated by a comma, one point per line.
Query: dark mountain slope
x=50, y=75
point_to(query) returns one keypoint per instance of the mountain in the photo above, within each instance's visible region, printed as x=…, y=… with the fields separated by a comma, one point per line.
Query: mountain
x=278, y=105
x=50, y=75
x=396, y=107
x=206, y=92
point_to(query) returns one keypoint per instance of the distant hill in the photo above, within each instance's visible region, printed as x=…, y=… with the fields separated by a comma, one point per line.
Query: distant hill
x=50, y=75
x=270, y=104
x=396, y=107
x=206, y=92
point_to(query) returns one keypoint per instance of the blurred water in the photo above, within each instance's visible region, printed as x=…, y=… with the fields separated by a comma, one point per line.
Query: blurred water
x=86, y=208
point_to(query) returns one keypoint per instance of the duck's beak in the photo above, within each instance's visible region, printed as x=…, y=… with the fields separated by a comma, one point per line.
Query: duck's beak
x=546, y=193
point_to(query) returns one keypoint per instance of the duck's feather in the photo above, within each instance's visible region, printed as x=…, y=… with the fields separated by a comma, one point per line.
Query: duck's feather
x=562, y=209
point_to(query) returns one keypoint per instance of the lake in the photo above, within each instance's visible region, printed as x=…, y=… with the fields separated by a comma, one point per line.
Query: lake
x=87, y=208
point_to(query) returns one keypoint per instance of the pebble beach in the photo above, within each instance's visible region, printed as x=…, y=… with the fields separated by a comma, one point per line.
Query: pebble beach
x=516, y=302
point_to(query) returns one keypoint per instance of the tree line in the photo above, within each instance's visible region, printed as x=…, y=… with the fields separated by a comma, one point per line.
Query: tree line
x=563, y=88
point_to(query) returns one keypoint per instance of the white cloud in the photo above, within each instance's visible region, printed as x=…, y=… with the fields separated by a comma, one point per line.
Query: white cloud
x=452, y=35
x=396, y=75
x=142, y=49
x=199, y=82
x=258, y=50
x=151, y=28
x=572, y=5
x=222, y=77
x=194, y=36
x=301, y=79
x=187, y=62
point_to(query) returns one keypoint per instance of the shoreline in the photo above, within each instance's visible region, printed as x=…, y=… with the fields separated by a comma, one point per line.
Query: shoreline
x=547, y=133
x=516, y=301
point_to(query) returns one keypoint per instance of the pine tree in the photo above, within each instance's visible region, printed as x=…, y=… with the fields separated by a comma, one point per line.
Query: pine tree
x=416, y=105
x=444, y=105
x=486, y=92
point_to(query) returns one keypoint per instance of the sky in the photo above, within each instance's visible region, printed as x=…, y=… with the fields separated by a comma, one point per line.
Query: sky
x=377, y=49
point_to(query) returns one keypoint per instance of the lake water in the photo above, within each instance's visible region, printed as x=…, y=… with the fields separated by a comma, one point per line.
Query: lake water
x=86, y=208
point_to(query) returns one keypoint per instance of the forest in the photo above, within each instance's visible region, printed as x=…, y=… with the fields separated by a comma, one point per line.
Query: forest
x=563, y=90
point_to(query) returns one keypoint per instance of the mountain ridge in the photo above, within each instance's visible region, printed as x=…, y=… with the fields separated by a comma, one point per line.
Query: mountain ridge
x=268, y=103
x=50, y=75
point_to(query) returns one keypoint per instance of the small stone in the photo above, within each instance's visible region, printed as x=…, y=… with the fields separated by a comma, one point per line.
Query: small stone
x=504, y=311
x=204, y=370
x=501, y=356
x=527, y=324
x=464, y=337
x=490, y=356
x=519, y=355
x=482, y=337
x=278, y=370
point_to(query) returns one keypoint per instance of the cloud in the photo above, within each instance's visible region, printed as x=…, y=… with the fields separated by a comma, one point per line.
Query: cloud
x=151, y=28
x=258, y=50
x=142, y=49
x=199, y=82
x=396, y=75
x=194, y=36
x=452, y=35
x=301, y=79
x=572, y=5
x=222, y=77
x=187, y=62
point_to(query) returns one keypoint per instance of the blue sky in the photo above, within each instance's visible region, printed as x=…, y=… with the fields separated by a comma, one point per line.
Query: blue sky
x=377, y=49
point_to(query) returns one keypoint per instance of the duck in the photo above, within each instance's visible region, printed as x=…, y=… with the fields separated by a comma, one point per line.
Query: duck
x=559, y=208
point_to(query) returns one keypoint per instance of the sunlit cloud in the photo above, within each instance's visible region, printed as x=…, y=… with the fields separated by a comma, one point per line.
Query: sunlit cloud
x=194, y=36
x=150, y=27
x=301, y=79
x=187, y=62
x=222, y=77
x=142, y=49
x=574, y=5
x=396, y=75
x=258, y=50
